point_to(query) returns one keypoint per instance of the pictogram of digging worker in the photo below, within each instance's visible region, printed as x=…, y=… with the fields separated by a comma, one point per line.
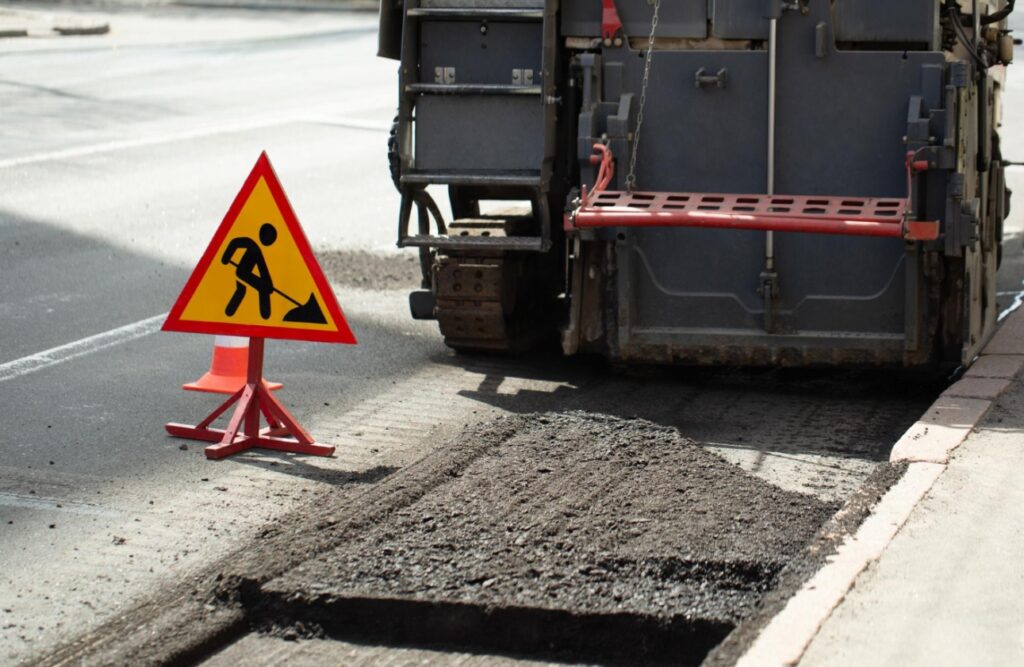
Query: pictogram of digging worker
x=251, y=269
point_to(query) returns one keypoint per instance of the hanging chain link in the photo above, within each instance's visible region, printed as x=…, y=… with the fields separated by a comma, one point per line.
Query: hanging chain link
x=631, y=177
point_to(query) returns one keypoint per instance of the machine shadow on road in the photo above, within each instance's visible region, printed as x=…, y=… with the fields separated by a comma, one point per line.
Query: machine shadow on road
x=821, y=412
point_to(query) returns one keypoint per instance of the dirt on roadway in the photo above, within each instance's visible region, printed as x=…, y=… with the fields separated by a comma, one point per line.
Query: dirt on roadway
x=568, y=535
x=366, y=270
x=522, y=533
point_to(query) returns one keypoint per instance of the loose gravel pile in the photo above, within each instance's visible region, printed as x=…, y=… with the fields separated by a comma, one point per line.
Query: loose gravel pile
x=578, y=513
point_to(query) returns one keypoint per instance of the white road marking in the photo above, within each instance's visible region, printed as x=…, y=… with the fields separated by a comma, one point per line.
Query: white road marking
x=109, y=146
x=1018, y=300
x=197, y=133
x=101, y=341
x=35, y=503
x=348, y=123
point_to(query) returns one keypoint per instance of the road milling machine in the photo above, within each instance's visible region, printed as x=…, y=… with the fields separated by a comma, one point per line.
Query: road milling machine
x=743, y=182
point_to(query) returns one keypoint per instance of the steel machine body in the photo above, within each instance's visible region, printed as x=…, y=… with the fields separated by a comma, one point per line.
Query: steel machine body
x=747, y=182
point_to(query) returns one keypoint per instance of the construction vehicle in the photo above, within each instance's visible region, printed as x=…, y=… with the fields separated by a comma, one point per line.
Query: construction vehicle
x=744, y=182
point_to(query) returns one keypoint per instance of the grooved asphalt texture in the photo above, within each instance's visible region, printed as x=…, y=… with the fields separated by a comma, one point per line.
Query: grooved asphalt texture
x=358, y=268
x=573, y=519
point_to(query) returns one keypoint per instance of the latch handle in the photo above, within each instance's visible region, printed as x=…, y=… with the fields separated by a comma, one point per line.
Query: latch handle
x=702, y=79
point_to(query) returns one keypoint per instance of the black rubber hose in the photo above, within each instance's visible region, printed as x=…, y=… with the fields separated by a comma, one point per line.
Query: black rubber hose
x=1000, y=15
x=983, y=157
x=984, y=146
x=953, y=12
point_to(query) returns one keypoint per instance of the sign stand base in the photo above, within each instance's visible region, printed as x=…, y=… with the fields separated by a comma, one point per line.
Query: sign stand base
x=243, y=431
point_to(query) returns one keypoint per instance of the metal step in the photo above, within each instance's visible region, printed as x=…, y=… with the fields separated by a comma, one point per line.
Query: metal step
x=531, y=179
x=445, y=242
x=484, y=233
x=471, y=89
x=853, y=216
x=477, y=13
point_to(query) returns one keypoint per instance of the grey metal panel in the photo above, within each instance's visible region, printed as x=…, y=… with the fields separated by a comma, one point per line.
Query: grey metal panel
x=681, y=278
x=840, y=123
x=477, y=57
x=702, y=139
x=740, y=19
x=886, y=20
x=851, y=145
x=677, y=18
x=698, y=140
x=838, y=283
x=479, y=132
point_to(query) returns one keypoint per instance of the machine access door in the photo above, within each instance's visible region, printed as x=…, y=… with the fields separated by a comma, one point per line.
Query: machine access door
x=840, y=116
x=677, y=283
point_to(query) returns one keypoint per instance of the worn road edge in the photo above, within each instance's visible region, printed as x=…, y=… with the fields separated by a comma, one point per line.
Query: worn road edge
x=926, y=446
x=200, y=614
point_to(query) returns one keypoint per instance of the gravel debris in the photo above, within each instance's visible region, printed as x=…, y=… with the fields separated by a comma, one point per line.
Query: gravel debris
x=579, y=513
x=358, y=268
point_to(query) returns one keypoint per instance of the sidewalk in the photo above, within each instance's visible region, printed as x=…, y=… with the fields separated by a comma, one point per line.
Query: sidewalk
x=934, y=575
x=949, y=589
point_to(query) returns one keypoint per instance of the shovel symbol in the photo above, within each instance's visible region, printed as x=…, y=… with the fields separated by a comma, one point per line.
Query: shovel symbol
x=308, y=312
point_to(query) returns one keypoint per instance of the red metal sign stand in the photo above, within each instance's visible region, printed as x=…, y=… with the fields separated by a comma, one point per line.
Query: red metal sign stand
x=243, y=431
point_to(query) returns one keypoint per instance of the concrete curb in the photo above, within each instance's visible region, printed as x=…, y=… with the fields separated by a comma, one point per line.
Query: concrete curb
x=786, y=637
x=960, y=408
x=927, y=446
x=70, y=31
x=33, y=23
x=56, y=31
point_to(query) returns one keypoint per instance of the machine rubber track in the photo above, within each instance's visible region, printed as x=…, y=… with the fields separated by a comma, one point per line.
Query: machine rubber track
x=483, y=302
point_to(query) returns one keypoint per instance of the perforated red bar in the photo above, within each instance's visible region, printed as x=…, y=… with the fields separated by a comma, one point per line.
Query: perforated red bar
x=856, y=216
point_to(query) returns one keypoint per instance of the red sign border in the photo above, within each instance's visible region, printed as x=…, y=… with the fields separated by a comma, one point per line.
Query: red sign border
x=264, y=170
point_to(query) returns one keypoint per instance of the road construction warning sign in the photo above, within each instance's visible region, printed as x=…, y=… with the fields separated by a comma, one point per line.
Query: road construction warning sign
x=258, y=277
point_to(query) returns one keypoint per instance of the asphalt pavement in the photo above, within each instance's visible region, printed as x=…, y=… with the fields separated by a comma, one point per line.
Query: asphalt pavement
x=119, y=155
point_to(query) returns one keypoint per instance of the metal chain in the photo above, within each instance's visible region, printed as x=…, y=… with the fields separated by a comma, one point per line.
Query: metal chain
x=631, y=177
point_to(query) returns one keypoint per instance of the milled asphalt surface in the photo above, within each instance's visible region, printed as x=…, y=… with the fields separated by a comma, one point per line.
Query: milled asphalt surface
x=569, y=524
x=118, y=156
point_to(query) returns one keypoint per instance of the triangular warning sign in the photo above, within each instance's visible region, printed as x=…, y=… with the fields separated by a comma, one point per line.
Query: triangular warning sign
x=258, y=277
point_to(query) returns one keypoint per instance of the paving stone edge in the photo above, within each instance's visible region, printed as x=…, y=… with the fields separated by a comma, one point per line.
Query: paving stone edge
x=926, y=446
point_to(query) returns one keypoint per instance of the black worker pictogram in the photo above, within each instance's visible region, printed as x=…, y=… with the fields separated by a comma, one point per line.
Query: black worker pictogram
x=251, y=270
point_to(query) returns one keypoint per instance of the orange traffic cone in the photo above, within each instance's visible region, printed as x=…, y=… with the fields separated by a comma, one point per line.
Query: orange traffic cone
x=228, y=367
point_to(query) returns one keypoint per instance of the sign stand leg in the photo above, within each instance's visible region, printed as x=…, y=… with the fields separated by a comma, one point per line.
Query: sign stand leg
x=243, y=431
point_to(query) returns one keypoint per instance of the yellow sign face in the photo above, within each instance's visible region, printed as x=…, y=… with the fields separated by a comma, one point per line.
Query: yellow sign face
x=259, y=277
